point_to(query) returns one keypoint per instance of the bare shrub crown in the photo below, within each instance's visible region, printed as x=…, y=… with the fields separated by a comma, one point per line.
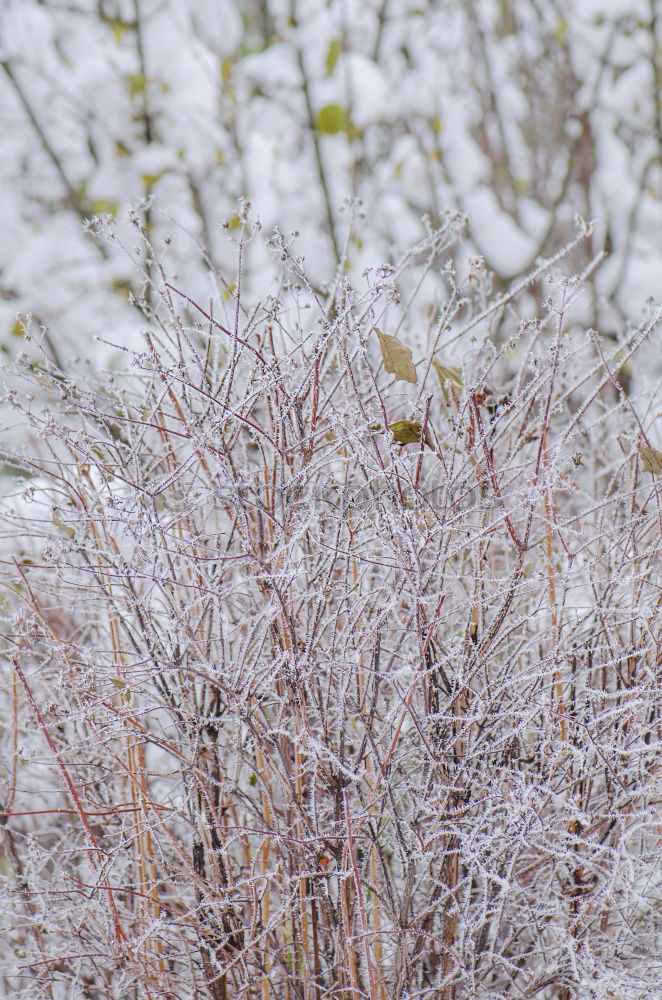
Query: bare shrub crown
x=332, y=632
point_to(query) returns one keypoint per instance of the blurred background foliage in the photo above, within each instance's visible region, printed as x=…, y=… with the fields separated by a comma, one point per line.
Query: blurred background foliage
x=519, y=113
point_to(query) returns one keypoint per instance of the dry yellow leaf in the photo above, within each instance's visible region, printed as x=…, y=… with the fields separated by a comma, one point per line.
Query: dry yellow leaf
x=397, y=357
x=59, y=523
x=450, y=380
x=652, y=459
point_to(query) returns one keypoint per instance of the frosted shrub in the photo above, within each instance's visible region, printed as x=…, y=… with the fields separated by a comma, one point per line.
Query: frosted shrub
x=328, y=680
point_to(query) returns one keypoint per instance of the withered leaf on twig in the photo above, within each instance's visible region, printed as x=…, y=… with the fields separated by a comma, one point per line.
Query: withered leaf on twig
x=450, y=380
x=397, y=357
x=408, y=432
x=652, y=459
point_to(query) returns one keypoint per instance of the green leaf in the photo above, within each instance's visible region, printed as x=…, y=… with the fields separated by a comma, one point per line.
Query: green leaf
x=561, y=32
x=397, y=357
x=118, y=28
x=105, y=206
x=149, y=180
x=16, y=471
x=652, y=459
x=332, y=119
x=123, y=287
x=137, y=85
x=333, y=52
x=450, y=380
x=406, y=431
